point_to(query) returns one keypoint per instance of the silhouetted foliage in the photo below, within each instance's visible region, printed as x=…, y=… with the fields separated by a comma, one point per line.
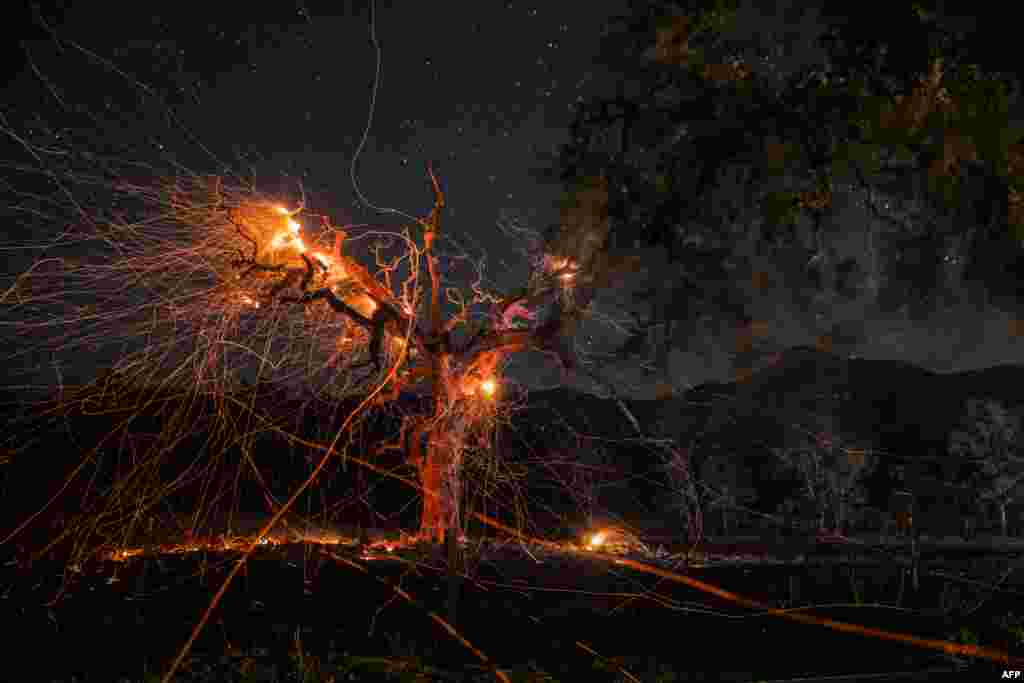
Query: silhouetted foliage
x=714, y=135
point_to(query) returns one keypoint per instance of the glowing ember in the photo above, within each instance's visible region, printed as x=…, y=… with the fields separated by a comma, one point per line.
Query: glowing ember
x=397, y=344
x=125, y=554
x=289, y=238
x=565, y=268
x=326, y=261
x=596, y=540
x=488, y=387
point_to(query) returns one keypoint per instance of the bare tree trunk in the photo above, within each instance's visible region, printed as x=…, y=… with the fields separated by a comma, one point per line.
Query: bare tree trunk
x=431, y=525
x=436, y=510
x=696, y=525
x=439, y=477
x=1002, y=517
x=683, y=477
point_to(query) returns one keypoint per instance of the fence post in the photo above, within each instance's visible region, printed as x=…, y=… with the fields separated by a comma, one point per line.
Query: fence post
x=916, y=561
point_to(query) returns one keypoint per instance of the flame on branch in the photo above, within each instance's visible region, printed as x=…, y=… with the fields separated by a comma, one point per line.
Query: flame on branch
x=463, y=380
x=239, y=282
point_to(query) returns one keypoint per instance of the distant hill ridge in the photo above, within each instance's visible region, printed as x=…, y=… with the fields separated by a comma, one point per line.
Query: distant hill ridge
x=879, y=400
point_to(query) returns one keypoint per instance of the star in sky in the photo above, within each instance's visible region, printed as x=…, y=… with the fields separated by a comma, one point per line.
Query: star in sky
x=284, y=92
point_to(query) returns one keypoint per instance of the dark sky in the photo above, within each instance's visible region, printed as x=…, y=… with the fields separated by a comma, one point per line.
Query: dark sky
x=482, y=89
x=480, y=92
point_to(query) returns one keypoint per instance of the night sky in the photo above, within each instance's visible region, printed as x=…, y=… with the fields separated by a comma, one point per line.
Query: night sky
x=483, y=90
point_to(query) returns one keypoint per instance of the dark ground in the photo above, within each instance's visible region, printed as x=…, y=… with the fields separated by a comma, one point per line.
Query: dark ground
x=524, y=607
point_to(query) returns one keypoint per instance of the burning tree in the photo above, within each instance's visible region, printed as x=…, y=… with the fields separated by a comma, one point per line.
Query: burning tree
x=213, y=283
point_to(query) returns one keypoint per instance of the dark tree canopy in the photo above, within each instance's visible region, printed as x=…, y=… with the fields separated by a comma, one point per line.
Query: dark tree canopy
x=881, y=106
x=715, y=134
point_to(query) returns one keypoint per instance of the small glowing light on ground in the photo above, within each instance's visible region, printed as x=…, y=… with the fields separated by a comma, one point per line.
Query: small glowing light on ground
x=281, y=210
x=124, y=554
x=488, y=386
x=596, y=540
